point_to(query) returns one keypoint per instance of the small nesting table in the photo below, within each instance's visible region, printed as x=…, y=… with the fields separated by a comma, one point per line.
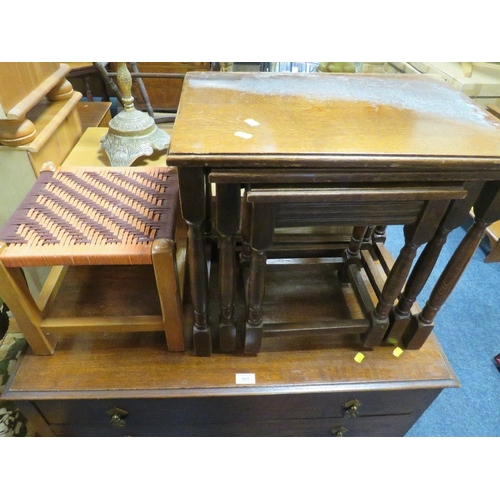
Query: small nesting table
x=367, y=149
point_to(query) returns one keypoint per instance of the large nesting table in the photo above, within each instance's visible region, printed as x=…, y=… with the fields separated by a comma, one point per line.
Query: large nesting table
x=366, y=149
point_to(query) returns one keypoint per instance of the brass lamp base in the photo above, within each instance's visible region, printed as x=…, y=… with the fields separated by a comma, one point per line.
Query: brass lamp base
x=132, y=134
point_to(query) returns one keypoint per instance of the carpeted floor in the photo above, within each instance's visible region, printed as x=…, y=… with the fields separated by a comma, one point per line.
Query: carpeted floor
x=468, y=329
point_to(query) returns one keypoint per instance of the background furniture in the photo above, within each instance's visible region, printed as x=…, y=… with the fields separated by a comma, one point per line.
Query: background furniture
x=351, y=132
x=163, y=92
x=94, y=114
x=39, y=122
x=87, y=80
x=478, y=80
x=23, y=86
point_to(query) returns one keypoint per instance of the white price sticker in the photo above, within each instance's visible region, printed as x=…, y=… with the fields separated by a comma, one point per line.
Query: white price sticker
x=252, y=122
x=245, y=378
x=243, y=135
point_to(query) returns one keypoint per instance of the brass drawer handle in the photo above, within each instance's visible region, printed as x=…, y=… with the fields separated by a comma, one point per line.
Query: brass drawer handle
x=117, y=415
x=339, y=431
x=351, y=408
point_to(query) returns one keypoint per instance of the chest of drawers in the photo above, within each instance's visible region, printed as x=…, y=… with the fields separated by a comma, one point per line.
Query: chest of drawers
x=119, y=386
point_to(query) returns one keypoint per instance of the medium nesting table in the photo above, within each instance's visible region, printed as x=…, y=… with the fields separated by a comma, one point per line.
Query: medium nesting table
x=354, y=149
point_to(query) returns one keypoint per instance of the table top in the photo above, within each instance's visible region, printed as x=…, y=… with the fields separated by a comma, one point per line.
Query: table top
x=244, y=116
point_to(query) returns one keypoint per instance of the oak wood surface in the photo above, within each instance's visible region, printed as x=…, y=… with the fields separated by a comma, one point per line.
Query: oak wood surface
x=328, y=115
x=83, y=365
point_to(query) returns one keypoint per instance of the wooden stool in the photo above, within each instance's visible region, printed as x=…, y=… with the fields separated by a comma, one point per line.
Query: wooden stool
x=94, y=217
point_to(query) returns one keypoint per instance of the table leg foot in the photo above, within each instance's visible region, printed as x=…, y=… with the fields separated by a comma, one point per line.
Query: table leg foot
x=398, y=325
x=227, y=337
x=417, y=332
x=378, y=328
x=253, y=338
x=202, y=339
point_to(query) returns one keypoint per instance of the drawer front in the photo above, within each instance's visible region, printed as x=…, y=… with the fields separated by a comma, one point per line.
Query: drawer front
x=385, y=426
x=227, y=410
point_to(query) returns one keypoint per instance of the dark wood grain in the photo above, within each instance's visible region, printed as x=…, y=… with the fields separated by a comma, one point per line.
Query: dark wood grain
x=327, y=114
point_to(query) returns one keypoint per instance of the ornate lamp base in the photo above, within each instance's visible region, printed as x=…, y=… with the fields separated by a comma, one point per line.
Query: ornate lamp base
x=132, y=134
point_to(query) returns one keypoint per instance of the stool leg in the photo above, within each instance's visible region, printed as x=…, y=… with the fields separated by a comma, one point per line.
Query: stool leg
x=16, y=294
x=353, y=255
x=167, y=283
x=368, y=237
x=392, y=287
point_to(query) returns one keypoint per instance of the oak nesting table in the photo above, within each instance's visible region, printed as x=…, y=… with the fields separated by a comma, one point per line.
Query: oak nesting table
x=332, y=149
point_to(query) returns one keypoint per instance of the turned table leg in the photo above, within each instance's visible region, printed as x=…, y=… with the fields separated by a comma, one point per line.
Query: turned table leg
x=400, y=315
x=192, y=190
x=486, y=211
x=352, y=254
x=261, y=237
x=379, y=234
x=228, y=219
x=246, y=221
x=415, y=235
x=456, y=215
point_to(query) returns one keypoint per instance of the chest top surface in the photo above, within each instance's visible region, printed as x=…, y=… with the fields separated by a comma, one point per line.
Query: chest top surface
x=330, y=115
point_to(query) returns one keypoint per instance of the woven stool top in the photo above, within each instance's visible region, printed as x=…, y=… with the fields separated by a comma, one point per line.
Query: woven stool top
x=92, y=215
